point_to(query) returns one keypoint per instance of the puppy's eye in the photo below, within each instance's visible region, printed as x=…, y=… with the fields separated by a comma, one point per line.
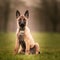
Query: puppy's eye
x=19, y=20
x=24, y=19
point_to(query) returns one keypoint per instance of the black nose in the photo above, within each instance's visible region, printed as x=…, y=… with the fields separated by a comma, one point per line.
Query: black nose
x=22, y=25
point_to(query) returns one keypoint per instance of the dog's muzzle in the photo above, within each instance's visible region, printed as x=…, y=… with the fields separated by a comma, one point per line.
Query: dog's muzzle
x=22, y=24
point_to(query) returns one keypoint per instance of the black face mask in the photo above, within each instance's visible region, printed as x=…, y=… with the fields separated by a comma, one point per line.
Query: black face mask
x=22, y=24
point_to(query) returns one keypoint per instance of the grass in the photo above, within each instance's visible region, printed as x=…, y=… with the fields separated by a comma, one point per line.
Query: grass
x=49, y=47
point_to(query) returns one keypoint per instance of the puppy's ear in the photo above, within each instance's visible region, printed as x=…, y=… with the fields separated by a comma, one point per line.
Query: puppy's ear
x=26, y=14
x=17, y=13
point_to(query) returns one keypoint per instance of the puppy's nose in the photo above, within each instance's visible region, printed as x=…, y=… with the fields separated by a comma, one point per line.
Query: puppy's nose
x=21, y=23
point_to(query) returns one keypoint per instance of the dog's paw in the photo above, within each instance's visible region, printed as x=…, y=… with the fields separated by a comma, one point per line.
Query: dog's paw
x=27, y=52
x=15, y=52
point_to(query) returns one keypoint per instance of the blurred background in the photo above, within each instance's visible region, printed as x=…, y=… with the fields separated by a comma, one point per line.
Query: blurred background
x=44, y=22
x=44, y=14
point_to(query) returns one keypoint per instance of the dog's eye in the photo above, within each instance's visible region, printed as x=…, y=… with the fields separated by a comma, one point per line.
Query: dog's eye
x=19, y=20
x=24, y=19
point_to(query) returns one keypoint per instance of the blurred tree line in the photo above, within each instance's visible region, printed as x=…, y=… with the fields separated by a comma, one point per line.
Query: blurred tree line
x=47, y=15
x=4, y=14
x=52, y=11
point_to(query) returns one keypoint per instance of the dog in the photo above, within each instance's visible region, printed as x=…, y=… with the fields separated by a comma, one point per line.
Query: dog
x=24, y=40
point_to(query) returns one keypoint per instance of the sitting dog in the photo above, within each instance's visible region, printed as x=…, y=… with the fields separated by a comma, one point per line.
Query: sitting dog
x=24, y=39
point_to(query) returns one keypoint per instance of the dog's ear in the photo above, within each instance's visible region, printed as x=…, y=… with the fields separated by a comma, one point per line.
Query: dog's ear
x=17, y=13
x=26, y=14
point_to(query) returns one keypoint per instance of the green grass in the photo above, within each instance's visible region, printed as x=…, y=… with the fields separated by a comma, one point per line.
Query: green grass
x=49, y=47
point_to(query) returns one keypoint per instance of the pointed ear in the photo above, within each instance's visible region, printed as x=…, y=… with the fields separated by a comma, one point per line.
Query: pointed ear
x=17, y=14
x=26, y=14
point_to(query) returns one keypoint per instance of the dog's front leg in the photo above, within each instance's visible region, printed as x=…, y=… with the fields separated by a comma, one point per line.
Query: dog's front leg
x=17, y=45
x=27, y=51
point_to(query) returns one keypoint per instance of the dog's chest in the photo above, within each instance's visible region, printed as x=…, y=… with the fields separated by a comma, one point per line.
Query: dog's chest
x=21, y=39
x=21, y=35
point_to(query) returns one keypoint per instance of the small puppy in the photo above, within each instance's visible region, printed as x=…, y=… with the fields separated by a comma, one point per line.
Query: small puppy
x=24, y=39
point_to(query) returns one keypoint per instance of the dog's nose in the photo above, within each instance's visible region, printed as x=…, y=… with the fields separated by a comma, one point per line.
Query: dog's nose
x=21, y=22
x=22, y=25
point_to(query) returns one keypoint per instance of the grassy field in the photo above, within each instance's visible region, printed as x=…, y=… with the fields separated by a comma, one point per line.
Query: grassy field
x=49, y=47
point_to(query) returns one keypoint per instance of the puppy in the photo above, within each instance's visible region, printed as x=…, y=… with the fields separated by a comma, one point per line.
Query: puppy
x=24, y=39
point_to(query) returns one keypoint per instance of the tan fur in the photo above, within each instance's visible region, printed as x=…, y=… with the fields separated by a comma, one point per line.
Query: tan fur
x=30, y=43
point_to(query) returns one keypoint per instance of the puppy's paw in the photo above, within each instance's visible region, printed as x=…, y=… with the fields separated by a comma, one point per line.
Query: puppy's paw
x=27, y=52
x=15, y=52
